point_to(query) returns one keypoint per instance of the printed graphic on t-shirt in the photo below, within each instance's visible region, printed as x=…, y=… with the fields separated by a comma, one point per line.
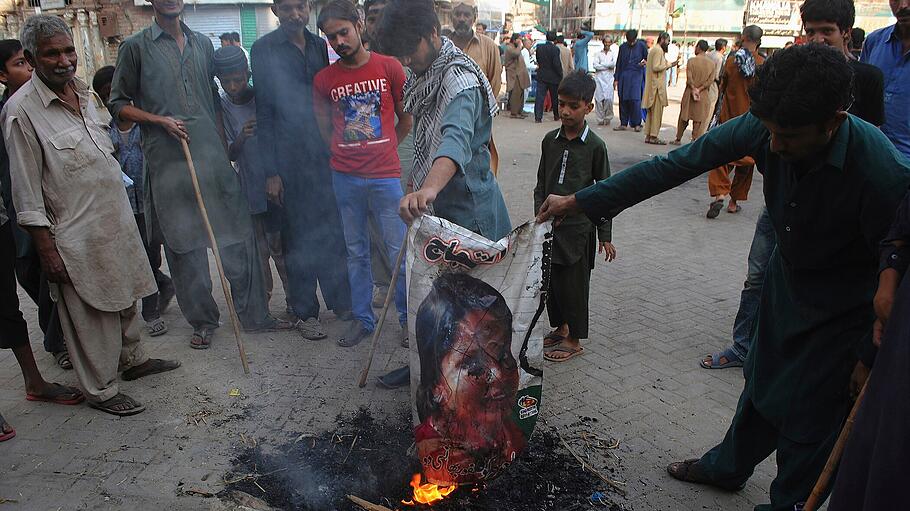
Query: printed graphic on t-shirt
x=362, y=116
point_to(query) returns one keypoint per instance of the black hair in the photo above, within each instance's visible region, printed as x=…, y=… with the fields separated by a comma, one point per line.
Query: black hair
x=484, y=25
x=235, y=36
x=561, y=39
x=551, y=35
x=857, y=37
x=226, y=37
x=663, y=35
x=451, y=298
x=420, y=18
x=720, y=44
x=702, y=45
x=840, y=12
x=753, y=33
x=344, y=10
x=807, y=84
x=632, y=33
x=103, y=76
x=578, y=85
x=515, y=36
x=8, y=49
x=370, y=3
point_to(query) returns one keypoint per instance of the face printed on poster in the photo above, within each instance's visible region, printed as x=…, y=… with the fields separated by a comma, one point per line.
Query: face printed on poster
x=473, y=309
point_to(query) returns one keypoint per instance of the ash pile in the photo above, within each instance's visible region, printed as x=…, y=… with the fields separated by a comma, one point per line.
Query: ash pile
x=564, y=469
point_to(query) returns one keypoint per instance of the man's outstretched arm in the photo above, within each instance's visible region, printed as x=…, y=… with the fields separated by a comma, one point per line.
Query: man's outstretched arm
x=602, y=201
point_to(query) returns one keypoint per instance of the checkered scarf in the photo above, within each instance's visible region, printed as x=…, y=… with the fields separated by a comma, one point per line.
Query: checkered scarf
x=428, y=95
x=746, y=62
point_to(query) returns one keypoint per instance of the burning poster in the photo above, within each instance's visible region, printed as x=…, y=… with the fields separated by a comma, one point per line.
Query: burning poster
x=476, y=346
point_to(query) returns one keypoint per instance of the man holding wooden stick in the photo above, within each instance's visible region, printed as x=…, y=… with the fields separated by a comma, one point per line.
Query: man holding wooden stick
x=69, y=195
x=164, y=81
x=832, y=183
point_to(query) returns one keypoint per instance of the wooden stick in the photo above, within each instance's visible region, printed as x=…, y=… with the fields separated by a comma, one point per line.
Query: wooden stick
x=369, y=506
x=385, y=309
x=815, y=498
x=224, y=283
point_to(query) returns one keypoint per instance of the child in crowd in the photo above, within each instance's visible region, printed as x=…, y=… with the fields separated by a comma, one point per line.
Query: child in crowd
x=128, y=150
x=572, y=158
x=238, y=107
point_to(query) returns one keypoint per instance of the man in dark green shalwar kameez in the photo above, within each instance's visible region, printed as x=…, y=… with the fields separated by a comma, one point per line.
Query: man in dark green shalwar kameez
x=832, y=183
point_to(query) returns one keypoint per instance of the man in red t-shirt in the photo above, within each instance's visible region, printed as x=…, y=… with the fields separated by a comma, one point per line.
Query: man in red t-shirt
x=356, y=100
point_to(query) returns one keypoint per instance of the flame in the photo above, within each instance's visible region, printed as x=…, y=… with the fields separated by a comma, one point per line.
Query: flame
x=427, y=493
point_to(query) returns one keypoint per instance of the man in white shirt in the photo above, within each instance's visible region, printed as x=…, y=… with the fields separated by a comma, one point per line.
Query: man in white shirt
x=604, y=64
x=672, y=55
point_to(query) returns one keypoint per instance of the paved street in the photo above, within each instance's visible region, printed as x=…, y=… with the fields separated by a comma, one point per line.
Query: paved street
x=669, y=299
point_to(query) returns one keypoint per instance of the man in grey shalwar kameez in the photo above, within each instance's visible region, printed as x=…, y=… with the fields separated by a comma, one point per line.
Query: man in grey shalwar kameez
x=165, y=82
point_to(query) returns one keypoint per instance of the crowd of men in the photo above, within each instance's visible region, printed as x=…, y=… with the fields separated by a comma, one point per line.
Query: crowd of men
x=400, y=126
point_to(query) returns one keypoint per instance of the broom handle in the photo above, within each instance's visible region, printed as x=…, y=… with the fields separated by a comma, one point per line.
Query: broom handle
x=385, y=309
x=815, y=498
x=208, y=229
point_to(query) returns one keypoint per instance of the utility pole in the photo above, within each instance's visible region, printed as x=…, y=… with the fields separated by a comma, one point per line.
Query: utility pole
x=550, y=24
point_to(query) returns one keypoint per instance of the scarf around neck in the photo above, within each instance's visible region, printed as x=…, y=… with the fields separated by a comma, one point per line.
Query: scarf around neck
x=426, y=97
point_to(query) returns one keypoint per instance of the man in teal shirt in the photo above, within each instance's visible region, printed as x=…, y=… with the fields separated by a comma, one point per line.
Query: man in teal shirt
x=453, y=107
x=832, y=183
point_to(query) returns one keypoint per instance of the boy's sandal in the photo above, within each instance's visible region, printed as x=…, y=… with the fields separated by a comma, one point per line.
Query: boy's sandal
x=63, y=360
x=571, y=353
x=156, y=327
x=552, y=339
x=6, y=431
x=732, y=360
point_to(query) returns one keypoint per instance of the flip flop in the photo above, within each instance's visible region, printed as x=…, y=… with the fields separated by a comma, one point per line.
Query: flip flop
x=552, y=339
x=732, y=360
x=152, y=366
x=714, y=208
x=689, y=471
x=6, y=436
x=107, y=406
x=562, y=349
x=201, y=340
x=656, y=141
x=58, y=399
x=737, y=210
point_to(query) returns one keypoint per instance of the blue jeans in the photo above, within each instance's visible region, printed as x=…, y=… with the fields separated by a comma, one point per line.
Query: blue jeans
x=763, y=244
x=359, y=199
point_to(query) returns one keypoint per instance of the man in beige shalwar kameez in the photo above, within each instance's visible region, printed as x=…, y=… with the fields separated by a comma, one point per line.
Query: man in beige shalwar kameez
x=69, y=194
x=655, y=98
x=697, y=104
